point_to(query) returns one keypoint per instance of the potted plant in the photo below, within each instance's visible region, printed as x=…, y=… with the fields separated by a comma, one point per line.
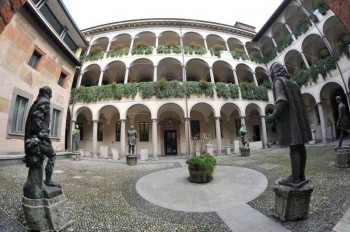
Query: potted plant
x=201, y=168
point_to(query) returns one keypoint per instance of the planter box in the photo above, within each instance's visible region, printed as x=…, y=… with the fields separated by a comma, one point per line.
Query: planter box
x=245, y=152
x=197, y=175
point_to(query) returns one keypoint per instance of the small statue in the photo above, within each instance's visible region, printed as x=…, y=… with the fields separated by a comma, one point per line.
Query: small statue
x=38, y=145
x=343, y=121
x=292, y=123
x=132, y=135
x=243, y=133
x=75, y=138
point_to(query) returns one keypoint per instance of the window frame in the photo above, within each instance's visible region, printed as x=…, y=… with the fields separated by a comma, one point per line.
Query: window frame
x=65, y=74
x=144, y=131
x=37, y=65
x=118, y=125
x=59, y=121
x=18, y=92
x=193, y=124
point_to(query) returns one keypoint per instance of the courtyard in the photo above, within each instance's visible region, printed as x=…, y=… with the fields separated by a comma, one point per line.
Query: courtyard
x=105, y=195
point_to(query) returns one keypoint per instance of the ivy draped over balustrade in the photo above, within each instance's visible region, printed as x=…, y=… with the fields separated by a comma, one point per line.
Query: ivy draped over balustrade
x=167, y=89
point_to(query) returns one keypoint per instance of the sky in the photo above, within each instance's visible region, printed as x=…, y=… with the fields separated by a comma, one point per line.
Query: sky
x=88, y=13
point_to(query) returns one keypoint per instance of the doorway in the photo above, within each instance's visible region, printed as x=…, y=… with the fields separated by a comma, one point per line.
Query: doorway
x=170, y=142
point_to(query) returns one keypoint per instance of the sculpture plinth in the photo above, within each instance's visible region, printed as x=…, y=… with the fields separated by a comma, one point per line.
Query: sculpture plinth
x=131, y=160
x=342, y=157
x=292, y=203
x=46, y=214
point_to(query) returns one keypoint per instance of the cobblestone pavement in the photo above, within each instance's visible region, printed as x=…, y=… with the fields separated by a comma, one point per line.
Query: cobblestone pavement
x=102, y=195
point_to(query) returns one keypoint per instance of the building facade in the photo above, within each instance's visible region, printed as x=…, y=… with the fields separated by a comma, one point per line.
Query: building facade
x=185, y=82
x=40, y=45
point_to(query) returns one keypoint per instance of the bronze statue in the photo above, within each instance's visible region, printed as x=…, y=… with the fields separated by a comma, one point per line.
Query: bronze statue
x=132, y=135
x=243, y=133
x=38, y=145
x=292, y=122
x=343, y=121
x=75, y=138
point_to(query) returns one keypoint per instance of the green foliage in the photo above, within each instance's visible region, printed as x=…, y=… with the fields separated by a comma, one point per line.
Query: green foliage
x=270, y=56
x=324, y=53
x=266, y=84
x=194, y=45
x=130, y=90
x=222, y=90
x=215, y=50
x=238, y=53
x=195, y=88
x=117, y=46
x=168, y=50
x=118, y=52
x=206, y=162
x=314, y=18
x=255, y=56
x=146, y=89
x=142, y=50
x=194, y=50
x=234, y=90
x=250, y=91
x=302, y=27
x=287, y=40
x=96, y=49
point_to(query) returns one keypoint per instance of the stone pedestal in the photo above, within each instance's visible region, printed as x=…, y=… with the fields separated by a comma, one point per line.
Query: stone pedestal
x=144, y=154
x=228, y=150
x=131, y=160
x=46, y=214
x=104, y=152
x=292, y=203
x=341, y=158
x=210, y=149
x=245, y=151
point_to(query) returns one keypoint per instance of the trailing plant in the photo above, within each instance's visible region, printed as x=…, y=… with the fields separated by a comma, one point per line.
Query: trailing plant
x=238, y=53
x=266, y=84
x=168, y=50
x=194, y=50
x=270, y=56
x=222, y=90
x=130, y=90
x=195, y=88
x=206, y=162
x=314, y=18
x=234, y=90
x=215, y=50
x=302, y=27
x=142, y=48
x=287, y=40
x=250, y=91
x=96, y=49
x=321, y=6
x=146, y=89
x=118, y=52
x=324, y=53
x=255, y=56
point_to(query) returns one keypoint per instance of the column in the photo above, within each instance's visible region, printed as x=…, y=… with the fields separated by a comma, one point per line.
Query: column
x=100, y=78
x=126, y=75
x=155, y=73
x=305, y=60
x=211, y=75
x=107, y=49
x=157, y=41
x=71, y=135
x=264, y=133
x=154, y=139
x=243, y=120
x=78, y=52
x=94, y=139
x=184, y=74
x=323, y=123
x=236, y=82
x=131, y=45
x=205, y=44
x=255, y=80
x=227, y=47
x=122, y=137
x=273, y=41
x=246, y=51
x=79, y=80
x=218, y=135
x=187, y=128
x=88, y=50
x=290, y=31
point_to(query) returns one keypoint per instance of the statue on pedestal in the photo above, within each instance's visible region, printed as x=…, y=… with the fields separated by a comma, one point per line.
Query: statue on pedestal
x=343, y=121
x=243, y=133
x=38, y=145
x=75, y=138
x=293, y=126
x=132, y=135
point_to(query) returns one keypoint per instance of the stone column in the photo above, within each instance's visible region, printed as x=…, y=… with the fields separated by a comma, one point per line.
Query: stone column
x=235, y=76
x=255, y=80
x=122, y=137
x=290, y=31
x=243, y=120
x=126, y=77
x=211, y=75
x=246, y=51
x=273, y=41
x=131, y=45
x=94, y=139
x=70, y=139
x=323, y=122
x=155, y=73
x=188, y=137
x=157, y=40
x=184, y=79
x=107, y=49
x=264, y=133
x=227, y=47
x=218, y=135
x=88, y=50
x=205, y=44
x=305, y=60
x=154, y=139
x=100, y=78
x=79, y=80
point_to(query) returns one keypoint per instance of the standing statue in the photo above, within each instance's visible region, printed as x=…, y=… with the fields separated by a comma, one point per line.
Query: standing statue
x=293, y=126
x=75, y=138
x=243, y=133
x=132, y=135
x=343, y=120
x=37, y=146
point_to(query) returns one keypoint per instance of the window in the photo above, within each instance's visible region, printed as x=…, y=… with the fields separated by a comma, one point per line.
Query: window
x=144, y=130
x=100, y=132
x=195, y=128
x=55, y=122
x=19, y=115
x=117, y=132
x=62, y=79
x=34, y=59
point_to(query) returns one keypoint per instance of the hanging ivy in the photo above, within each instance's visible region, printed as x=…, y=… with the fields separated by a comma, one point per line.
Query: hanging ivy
x=234, y=90
x=222, y=90
x=118, y=52
x=146, y=89
x=250, y=91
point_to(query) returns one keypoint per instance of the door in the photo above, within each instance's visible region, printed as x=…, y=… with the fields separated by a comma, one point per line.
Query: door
x=170, y=142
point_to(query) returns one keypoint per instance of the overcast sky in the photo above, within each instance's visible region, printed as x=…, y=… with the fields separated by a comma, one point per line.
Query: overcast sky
x=90, y=13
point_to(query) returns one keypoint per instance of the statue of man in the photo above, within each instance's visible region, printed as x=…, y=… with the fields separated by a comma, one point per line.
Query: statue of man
x=343, y=120
x=292, y=123
x=38, y=145
x=132, y=135
x=75, y=138
x=243, y=132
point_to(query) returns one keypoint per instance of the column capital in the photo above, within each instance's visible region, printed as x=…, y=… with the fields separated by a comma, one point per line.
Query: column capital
x=94, y=120
x=122, y=120
x=262, y=116
x=155, y=66
x=154, y=119
x=319, y=103
x=74, y=121
x=242, y=117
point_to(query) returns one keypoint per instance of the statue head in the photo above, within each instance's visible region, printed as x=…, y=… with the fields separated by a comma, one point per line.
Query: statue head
x=45, y=91
x=277, y=70
x=132, y=127
x=338, y=99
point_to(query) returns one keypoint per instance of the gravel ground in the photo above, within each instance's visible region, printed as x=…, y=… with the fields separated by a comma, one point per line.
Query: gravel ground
x=102, y=195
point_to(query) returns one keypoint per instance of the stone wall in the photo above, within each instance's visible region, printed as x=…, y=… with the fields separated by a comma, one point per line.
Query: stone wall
x=7, y=9
x=342, y=9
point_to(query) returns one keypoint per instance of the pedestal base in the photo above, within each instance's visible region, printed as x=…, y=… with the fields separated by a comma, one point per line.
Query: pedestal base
x=245, y=151
x=131, y=160
x=46, y=214
x=292, y=203
x=341, y=158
